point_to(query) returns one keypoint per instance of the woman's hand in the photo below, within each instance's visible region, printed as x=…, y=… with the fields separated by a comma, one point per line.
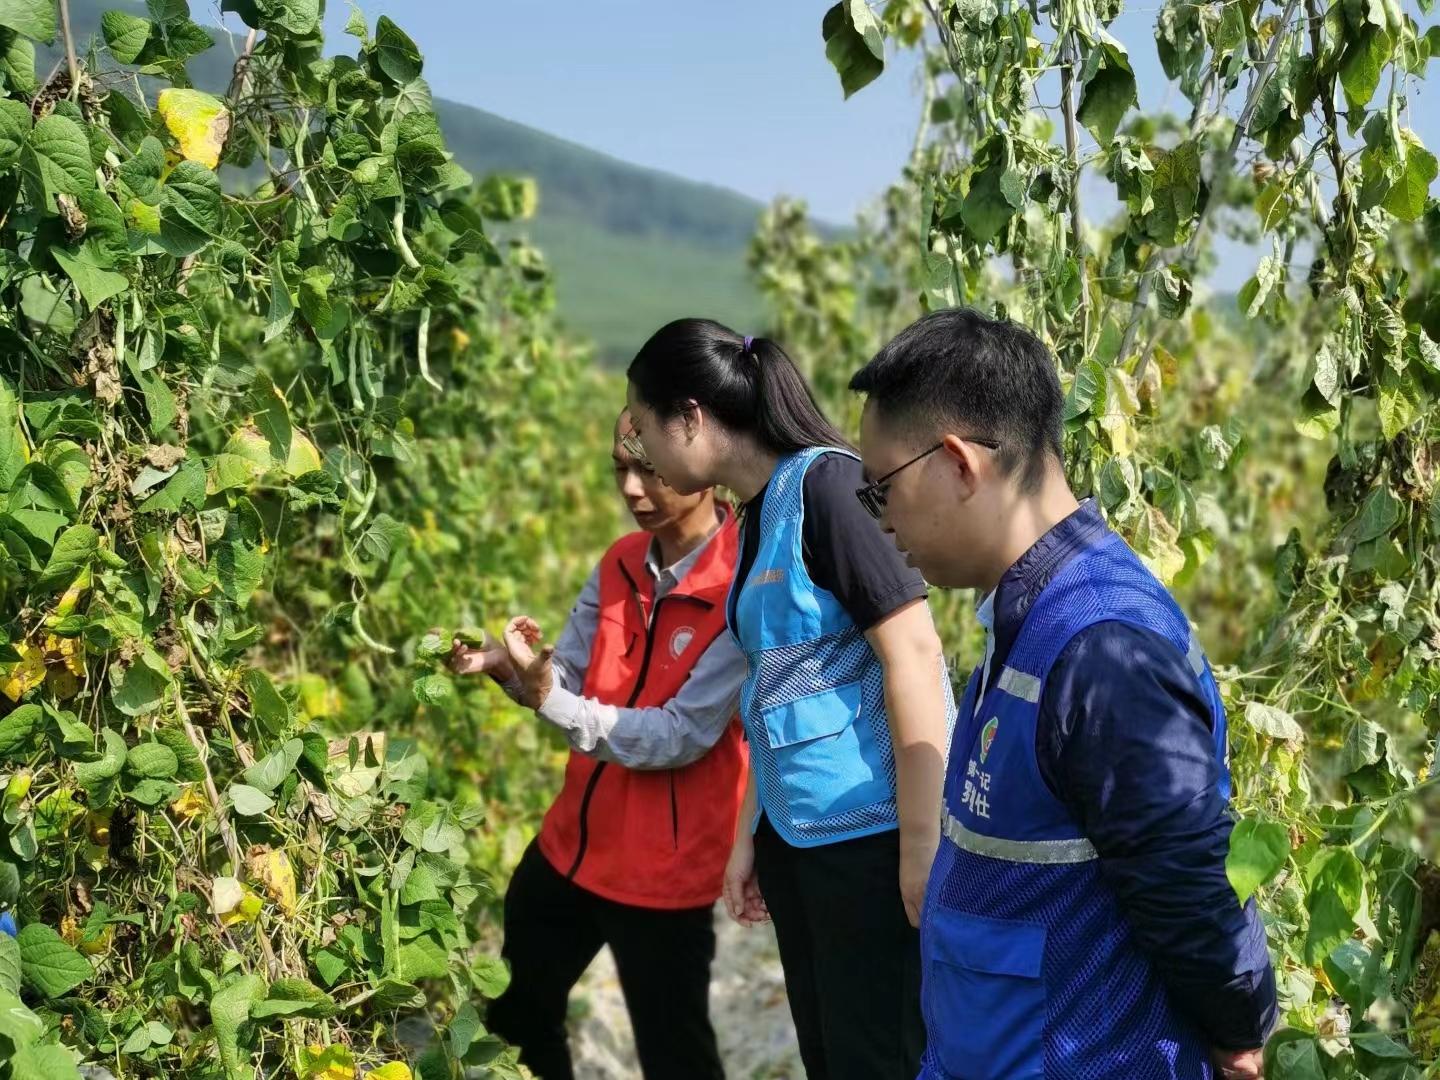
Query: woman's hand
x=490, y=658
x=535, y=670
x=742, y=889
x=916, y=858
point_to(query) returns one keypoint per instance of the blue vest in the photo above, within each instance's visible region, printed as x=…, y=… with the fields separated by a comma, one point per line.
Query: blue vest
x=1030, y=968
x=813, y=703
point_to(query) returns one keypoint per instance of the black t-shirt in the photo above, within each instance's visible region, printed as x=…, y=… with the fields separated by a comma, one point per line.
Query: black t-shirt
x=846, y=553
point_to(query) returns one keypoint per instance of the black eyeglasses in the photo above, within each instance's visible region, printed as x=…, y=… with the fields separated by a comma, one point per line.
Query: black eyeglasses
x=873, y=496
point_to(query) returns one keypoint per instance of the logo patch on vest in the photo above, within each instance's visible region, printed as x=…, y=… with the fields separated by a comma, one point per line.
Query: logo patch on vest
x=769, y=577
x=680, y=641
x=987, y=736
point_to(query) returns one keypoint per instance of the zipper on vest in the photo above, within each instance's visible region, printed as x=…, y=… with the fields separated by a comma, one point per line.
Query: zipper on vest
x=674, y=812
x=600, y=768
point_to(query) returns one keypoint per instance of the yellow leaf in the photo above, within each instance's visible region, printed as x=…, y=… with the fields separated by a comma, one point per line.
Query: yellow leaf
x=304, y=458
x=62, y=684
x=327, y=1063
x=26, y=674
x=234, y=901
x=198, y=121
x=190, y=804
x=273, y=870
x=66, y=650
x=395, y=1070
x=72, y=595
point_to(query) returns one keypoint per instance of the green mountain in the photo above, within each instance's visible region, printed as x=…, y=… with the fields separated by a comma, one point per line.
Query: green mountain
x=631, y=248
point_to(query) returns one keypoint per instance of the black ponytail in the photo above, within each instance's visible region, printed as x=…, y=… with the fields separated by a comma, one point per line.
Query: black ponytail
x=748, y=384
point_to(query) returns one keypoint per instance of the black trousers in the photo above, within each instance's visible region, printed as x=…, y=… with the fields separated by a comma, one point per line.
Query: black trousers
x=554, y=928
x=851, y=957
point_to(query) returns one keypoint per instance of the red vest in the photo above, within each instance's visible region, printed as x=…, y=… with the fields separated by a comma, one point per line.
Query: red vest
x=652, y=838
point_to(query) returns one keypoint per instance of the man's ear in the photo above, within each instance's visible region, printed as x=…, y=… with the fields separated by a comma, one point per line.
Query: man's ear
x=966, y=464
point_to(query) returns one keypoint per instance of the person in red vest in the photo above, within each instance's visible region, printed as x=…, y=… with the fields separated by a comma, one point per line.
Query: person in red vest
x=645, y=684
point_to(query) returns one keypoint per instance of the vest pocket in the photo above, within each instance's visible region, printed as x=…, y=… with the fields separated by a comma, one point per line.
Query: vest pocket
x=824, y=755
x=984, y=995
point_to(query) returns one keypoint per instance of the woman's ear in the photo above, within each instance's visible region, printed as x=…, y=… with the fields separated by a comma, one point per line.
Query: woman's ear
x=693, y=419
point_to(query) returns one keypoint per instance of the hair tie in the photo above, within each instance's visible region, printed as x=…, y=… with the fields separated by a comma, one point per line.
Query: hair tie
x=748, y=342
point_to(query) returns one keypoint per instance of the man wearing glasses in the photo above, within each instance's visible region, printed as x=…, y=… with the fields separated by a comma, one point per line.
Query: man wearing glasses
x=1078, y=919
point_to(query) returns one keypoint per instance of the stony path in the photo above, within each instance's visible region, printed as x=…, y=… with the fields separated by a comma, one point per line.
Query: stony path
x=747, y=1005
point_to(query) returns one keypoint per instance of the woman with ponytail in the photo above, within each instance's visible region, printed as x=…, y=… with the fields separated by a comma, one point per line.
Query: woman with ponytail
x=847, y=705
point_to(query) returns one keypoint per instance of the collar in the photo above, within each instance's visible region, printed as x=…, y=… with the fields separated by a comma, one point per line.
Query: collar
x=1023, y=583
x=703, y=574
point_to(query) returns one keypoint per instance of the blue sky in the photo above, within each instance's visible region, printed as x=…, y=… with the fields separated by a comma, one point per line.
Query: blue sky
x=738, y=94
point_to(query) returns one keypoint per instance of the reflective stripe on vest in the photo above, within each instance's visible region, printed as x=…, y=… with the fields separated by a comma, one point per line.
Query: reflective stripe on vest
x=1040, y=852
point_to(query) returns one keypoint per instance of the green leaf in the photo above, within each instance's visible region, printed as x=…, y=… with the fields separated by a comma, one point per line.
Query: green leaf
x=1365, y=61
x=1277, y=723
x=1378, y=514
x=152, y=760
x=270, y=771
x=33, y=18
x=125, y=34
x=57, y=156
x=239, y=568
x=17, y=62
x=1107, y=91
x=1293, y=1055
x=295, y=997
x=1175, y=192
x=1407, y=196
x=489, y=975
x=186, y=489
x=14, y=130
x=433, y=689
x=72, y=553
x=1350, y=971
x=1400, y=403
x=1333, y=900
x=95, y=283
x=18, y=729
x=9, y=957
x=48, y=964
x=139, y=688
x=1361, y=746
x=89, y=774
x=192, y=192
x=1378, y=1044
x=249, y=801
x=281, y=309
x=272, y=418
x=230, y=1014
x=395, y=53
x=266, y=704
x=423, y=958
x=48, y=1062
x=1258, y=849
x=854, y=44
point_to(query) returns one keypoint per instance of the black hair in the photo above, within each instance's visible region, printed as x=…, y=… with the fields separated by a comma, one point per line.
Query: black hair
x=748, y=384
x=982, y=377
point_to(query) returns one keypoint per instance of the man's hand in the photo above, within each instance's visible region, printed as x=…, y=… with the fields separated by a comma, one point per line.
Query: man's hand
x=536, y=672
x=742, y=889
x=916, y=857
x=1239, y=1064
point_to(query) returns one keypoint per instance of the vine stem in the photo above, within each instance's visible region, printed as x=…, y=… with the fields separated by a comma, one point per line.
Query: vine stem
x=70, y=49
x=222, y=819
x=1252, y=100
x=1072, y=151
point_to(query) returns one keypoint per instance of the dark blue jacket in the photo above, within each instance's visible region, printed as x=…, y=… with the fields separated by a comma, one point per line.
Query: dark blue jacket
x=1162, y=834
